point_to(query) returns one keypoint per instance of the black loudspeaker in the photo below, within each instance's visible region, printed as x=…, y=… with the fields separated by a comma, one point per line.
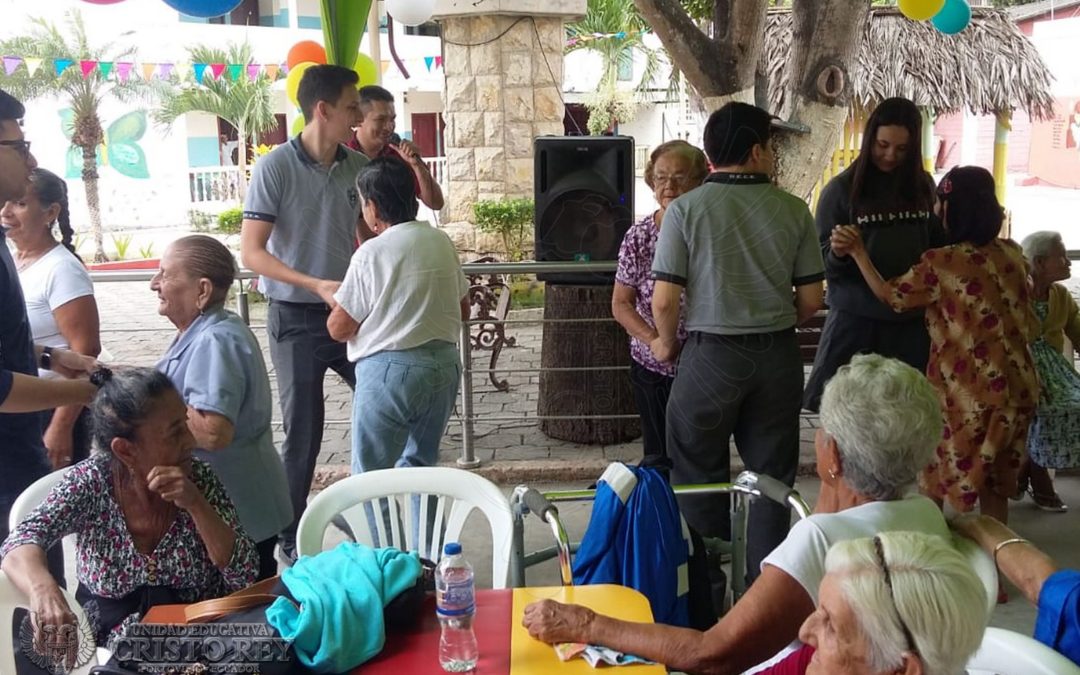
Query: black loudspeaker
x=584, y=194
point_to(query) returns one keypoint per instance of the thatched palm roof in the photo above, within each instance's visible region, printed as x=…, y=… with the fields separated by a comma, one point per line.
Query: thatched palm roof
x=989, y=67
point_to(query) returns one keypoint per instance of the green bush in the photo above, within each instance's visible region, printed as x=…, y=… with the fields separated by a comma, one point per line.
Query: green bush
x=511, y=219
x=526, y=294
x=228, y=221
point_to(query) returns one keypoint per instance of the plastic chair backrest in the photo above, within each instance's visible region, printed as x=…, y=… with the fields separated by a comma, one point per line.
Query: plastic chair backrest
x=10, y=598
x=29, y=499
x=455, y=494
x=984, y=566
x=1004, y=652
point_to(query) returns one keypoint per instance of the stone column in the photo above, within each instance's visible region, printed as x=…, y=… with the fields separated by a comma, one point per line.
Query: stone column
x=503, y=61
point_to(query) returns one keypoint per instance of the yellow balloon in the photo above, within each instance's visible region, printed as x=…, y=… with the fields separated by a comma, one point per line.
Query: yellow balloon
x=920, y=10
x=297, y=125
x=366, y=68
x=292, y=80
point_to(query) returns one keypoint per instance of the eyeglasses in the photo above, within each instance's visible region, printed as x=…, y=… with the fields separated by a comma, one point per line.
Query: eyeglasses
x=677, y=179
x=21, y=147
x=880, y=549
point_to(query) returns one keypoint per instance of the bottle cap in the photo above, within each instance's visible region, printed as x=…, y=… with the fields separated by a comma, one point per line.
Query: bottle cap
x=452, y=548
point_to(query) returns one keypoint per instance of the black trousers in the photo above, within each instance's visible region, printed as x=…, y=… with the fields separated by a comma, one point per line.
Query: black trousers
x=742, y=386
x=651, y=393
x=845, y=335
x=302, y=351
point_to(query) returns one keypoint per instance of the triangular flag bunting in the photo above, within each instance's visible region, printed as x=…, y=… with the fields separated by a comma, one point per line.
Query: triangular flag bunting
x=217, y=69
x=32, y=65
x=166, y=71
x=234, y=71
x=438, y=62
x=87, y=67
x=200, y=71
x=105, y=67
x=11, y=63
x=253, y=71
x=123, y=70
x=148, y=71
x=385, y=65
x=61, y=65
x=271, y=70
x=429, y=61
x=284, y=67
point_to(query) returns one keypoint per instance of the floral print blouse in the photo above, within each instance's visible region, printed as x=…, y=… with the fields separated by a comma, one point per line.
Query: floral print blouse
x=108, y=564
x=635, y=271
x=980, y=319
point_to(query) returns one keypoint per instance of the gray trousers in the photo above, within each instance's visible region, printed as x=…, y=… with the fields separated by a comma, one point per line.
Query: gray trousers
x=749, y=387
x=301, y=350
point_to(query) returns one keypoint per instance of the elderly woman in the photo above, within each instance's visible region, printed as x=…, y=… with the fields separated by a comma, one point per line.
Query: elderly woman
x=216, y=364
x=880, y=423
x=674, y=168
x=895, y=603
x=1054, y=438
x=153, y=524
x=59, y=298
x=980, y=318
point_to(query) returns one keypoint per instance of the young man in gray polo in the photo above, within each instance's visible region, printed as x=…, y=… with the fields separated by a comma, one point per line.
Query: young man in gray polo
x=746, y=254
x=299, y=231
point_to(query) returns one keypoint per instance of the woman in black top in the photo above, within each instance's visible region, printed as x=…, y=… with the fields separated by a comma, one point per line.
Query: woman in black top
x=890, y=197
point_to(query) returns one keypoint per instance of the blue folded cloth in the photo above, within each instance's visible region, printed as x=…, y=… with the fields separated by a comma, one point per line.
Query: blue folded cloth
x=342, y=593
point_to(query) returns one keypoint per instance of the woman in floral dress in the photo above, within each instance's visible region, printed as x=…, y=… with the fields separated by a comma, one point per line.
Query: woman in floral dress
x=980, y=318
x=1054, y=439
x=154, y=526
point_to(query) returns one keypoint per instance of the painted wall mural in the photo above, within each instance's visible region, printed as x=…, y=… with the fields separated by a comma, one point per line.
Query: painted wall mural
x=120, y=150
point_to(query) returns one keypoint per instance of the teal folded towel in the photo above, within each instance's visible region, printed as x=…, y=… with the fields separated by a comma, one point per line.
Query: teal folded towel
x=342, y=593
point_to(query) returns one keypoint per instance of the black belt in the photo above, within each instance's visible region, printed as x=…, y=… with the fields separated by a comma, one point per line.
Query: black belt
x=321, y=306
x=702, y=336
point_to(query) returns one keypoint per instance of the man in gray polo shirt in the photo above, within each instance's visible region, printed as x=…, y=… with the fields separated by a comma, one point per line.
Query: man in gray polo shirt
x=746, y=254
x=299, y=231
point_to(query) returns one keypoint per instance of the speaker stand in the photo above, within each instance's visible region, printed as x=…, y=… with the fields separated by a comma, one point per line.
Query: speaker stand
x=587, y=393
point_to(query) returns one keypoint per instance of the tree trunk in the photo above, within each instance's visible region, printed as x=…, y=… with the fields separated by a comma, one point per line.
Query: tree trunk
x=826, y=34
x=93, y=202
x=241, y=160
x=585, y=344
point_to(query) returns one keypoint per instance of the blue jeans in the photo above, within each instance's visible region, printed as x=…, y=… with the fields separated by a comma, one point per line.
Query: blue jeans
x=402, y=403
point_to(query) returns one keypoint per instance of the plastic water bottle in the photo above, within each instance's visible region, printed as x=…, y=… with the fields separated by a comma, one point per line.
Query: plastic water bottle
x=455, y=602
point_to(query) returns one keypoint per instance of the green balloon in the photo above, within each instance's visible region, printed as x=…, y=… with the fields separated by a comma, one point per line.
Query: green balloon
x=297, y=125
x=367, y=69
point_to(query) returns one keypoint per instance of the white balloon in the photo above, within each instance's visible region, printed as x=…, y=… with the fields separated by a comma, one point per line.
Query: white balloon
x=410, y=12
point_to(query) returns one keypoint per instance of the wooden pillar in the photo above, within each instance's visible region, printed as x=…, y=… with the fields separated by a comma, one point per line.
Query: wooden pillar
x=1001, y=152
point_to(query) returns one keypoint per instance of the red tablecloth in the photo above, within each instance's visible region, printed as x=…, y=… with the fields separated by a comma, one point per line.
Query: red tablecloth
x=417, y=652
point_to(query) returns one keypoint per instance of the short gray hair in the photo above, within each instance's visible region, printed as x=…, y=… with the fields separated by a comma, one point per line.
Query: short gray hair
x=886, y=420
x=934, y=590
x=1040, y=244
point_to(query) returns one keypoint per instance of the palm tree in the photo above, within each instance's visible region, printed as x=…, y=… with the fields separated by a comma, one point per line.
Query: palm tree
x=243, y=102
x=83, y=94
x=613, y=17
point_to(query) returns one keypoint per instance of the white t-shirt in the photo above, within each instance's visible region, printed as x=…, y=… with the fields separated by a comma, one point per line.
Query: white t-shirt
x=51, y=281
x=405, y=288
x=802, y=553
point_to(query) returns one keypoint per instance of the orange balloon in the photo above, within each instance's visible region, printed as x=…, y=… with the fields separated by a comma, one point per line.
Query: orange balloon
x=305, y=50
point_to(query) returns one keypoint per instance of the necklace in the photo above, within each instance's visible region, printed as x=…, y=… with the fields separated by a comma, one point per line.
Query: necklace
x=28, y=258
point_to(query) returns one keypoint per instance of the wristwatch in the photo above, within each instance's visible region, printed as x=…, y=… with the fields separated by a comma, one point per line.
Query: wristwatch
x=46, y=358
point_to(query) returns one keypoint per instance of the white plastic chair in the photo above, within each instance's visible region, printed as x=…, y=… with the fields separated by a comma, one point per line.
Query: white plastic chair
x=29, y=499
x=11, y=598
x=983, y=565
x=455, y=493
x=1004, y=652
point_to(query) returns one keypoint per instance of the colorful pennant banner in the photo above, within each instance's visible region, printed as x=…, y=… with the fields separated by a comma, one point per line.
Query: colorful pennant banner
x=590, y=37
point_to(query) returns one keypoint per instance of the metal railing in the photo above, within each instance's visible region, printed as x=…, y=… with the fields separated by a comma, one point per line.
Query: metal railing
x=467, y=416
x=214, y=184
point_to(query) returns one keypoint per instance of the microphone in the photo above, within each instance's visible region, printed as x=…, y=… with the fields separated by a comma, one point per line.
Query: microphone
x=394, y=139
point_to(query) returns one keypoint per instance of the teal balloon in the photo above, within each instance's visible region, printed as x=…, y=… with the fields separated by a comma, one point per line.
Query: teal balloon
x=953, y=17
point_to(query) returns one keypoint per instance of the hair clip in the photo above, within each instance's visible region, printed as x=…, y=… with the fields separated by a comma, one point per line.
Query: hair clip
x=100, y=376
x=945, y=187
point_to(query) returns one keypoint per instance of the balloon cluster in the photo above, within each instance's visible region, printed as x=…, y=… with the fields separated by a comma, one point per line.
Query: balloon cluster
x=201, y=8
x=410, y=12
x=948, y=16
x=305, y=54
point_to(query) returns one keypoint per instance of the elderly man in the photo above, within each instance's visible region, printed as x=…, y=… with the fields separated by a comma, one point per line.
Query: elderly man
x=880, y=425
x=374, y=137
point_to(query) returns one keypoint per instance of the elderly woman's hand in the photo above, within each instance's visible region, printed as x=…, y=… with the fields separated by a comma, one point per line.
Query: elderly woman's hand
x=55, y=626
x=172, y=484
x=554, y=622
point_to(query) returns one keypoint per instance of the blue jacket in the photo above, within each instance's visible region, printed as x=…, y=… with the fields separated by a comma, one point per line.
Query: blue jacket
x=637, y=538
x=342, y=593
